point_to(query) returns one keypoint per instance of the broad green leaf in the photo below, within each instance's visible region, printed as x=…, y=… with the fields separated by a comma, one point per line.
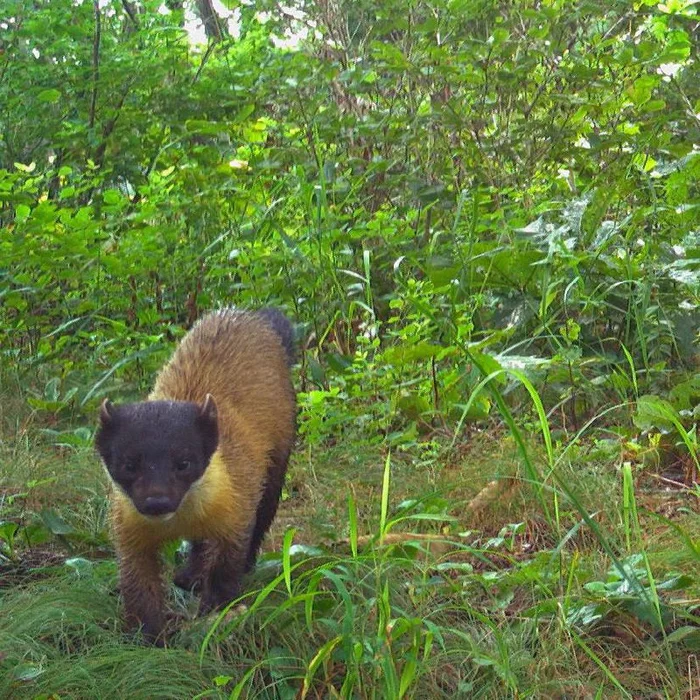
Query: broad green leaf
x=55, y=523
x=653, y=413
x=22, y=212
x=48, y=96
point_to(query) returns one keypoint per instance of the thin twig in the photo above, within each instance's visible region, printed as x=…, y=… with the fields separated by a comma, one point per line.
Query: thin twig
x=672, y=482
x=436, y=393
x=210, y=49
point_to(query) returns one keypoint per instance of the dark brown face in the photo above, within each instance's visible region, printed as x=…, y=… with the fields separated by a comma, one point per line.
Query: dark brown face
x=155, y=450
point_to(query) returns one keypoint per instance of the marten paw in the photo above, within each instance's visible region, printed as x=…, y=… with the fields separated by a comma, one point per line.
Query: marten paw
x=230, y=615
x=214, y=599
x=187, y=580
x=155, y=636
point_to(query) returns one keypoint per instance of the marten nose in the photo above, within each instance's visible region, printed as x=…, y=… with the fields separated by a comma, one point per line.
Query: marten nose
x=157, y=505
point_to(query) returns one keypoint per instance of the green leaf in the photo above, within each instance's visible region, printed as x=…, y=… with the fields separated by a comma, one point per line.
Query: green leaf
x=676, y=583
x=321, y=655
x=27, y=672
x=80, y=565
x=8, y=530
x=412, y=352
x=641, y=91
x=286, y=558
x=220, y=681
x=499, y=36
x=22, y=212
x=112, y=196
x=55, y=522
x=25, y=168
x=686, y=634
x=653, y=413
x=202, y=126
x=49, y=96
x=654, y=106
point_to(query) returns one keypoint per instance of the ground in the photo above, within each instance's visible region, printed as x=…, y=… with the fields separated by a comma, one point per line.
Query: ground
x=495, y=597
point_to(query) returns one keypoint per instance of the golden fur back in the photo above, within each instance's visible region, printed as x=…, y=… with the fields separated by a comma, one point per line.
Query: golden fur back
x=237, y=358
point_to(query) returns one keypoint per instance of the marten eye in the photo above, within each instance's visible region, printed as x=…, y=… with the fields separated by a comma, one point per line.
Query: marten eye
x=131, y=465
x=182, y=465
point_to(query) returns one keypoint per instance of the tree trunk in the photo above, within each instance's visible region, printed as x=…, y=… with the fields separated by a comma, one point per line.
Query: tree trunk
x=214, y=28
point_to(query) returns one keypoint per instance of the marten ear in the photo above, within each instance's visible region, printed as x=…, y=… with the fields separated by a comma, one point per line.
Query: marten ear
x=208, y=409
x=105, y=430
x=106, y=412
x=209, y=425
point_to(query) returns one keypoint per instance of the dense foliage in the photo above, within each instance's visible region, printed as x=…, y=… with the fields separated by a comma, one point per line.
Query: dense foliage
x=439, y=177
x=437, y=191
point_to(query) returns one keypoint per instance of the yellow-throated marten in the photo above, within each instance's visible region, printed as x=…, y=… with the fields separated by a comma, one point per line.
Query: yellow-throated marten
x=203, y=459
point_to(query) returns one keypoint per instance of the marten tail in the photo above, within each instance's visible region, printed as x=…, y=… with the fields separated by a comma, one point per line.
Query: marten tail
x=281, y=325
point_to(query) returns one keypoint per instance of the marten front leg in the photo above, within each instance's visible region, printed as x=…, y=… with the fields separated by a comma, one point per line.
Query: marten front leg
x=189, y=576
x=142, y=591
x=222, y=581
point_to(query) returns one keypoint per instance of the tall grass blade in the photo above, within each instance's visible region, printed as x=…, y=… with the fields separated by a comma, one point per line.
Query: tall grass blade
x=237, y=691
x=385, y=497
x=633, y=371
x=629, y=514
x=601, y=665
x=352, y=519
x=321, y=655
x=286, y=558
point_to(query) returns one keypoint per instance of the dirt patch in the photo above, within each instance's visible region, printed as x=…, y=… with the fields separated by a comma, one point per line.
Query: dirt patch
x=33, y=564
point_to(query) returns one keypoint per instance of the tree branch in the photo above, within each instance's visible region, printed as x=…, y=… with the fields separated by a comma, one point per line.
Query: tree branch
x=128, y=8
x=213, y=27
x=109, y=126
x=95, y=61
x=205, y=58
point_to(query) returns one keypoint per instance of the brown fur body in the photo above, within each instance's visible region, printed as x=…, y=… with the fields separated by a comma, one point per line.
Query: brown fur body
x=241, y=361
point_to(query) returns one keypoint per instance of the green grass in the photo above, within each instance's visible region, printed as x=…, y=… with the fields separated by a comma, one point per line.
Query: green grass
x=511, y=601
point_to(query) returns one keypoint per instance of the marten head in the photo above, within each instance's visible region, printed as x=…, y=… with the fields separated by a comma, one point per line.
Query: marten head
x=155, y=450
